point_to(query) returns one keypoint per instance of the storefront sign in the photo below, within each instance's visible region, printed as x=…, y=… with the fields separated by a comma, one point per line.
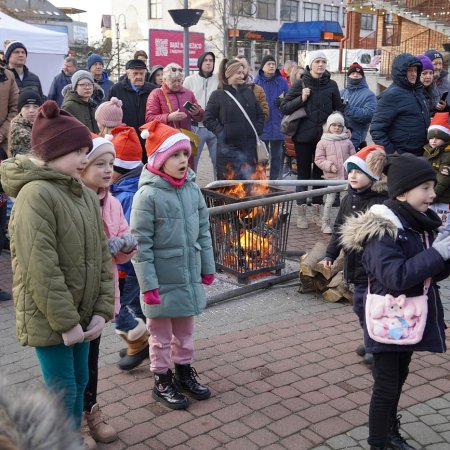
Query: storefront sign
x=167, y=47
x=253, y=35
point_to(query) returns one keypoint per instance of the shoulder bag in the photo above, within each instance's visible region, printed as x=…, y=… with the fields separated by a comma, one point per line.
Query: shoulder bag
x=290, y=122
x=193, y=137
x=261, y=149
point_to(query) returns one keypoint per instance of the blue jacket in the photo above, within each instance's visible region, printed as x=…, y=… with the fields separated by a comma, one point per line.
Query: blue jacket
x=124, y=189
x=360, y=104
x=59, y=82
x=402, y=117
x=273, y=88
x=396, y=262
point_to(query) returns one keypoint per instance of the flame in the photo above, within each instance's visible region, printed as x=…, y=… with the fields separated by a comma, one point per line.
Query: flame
x=254, y=247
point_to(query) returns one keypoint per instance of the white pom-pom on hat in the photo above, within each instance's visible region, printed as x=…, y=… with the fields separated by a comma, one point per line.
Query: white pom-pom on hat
x=109, y=137
x=145, y=134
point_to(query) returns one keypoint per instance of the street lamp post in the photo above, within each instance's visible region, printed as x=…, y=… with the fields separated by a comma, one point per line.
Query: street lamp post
x=117, y=26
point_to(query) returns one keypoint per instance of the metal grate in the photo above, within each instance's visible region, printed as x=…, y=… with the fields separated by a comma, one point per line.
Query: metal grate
x=251, y=240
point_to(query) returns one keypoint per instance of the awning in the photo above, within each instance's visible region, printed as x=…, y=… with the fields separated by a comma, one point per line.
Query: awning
x=317, y=31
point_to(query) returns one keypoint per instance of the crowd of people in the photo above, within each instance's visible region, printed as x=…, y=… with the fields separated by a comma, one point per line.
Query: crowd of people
x=108, y=221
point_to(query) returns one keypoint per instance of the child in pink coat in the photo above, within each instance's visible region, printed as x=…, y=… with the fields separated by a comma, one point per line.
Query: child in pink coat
x=331, y=152
x=122, y=245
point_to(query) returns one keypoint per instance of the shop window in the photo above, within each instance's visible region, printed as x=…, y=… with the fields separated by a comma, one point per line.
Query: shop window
x=310, y=12
x=367, y=22
x=331, y=13
x=289, y=10
x=155, y=9
x=267, y=9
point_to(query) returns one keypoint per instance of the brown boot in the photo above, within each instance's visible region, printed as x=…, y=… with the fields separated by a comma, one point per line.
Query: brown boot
x=100, y=429
x=88, y=440
x=136, y=352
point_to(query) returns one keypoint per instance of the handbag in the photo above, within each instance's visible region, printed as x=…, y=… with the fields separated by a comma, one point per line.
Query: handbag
x=261, y=149
x=397, y=320
x=290, y=122
x=194, y=138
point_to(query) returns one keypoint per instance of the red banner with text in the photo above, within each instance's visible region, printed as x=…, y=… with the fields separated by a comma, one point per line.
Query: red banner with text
x=167, y=47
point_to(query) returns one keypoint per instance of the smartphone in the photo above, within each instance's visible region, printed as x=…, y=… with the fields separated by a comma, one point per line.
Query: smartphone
x=444, y=96
x=188, y=105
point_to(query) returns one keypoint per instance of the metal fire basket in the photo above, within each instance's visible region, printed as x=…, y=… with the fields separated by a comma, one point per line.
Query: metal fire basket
x=249, y=241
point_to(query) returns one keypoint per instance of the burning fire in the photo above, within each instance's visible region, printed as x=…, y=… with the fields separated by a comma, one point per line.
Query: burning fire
x=252, y=247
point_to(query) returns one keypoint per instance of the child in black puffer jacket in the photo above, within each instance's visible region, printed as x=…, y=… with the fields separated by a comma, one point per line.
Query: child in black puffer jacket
x=364, y=190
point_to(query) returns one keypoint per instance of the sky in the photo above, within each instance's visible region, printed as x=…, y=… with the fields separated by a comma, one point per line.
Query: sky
x=93, y=16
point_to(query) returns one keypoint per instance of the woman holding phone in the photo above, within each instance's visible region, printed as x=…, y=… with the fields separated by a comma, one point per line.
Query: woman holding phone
x=173, y=104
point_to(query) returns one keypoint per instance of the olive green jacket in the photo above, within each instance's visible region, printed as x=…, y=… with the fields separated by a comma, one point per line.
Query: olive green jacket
x=439, y=159
x=61, y=264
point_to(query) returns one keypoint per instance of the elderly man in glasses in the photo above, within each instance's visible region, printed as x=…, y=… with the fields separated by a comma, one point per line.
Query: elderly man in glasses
x=174, y=104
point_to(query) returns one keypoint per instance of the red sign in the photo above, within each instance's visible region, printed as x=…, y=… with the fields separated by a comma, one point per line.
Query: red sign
x=167, y=47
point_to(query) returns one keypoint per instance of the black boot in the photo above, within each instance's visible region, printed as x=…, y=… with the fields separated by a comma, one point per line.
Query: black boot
x=395, y=440
x=186, y=381
x=165, y=392
x=368, y=360
x=360, y=350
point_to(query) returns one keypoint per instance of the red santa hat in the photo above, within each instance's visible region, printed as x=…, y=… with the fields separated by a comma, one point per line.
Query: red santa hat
x=370, y=160
x=128, y=147
x=162, y=141
x=439, y=127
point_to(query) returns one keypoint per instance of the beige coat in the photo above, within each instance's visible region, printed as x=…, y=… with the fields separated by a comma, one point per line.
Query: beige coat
x=9, y=95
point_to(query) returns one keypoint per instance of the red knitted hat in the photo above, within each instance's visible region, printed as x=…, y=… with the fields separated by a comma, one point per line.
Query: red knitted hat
x=355, y=67
x=370, y=160
x=161, y=141
x=439, y=127
x=57, y=133
x=127, y=145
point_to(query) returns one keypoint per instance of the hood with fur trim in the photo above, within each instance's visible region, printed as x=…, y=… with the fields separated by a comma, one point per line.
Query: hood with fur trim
x=378, y=221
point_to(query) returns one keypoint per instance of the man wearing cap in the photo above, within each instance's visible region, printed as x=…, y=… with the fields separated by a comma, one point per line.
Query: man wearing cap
x=360, y=104
x=440, y=75
x=16, y=58
x=402, y=115
x=133, y=91
x=95, y=65
x=275, y=87
x=62, y=80
x=202, y=84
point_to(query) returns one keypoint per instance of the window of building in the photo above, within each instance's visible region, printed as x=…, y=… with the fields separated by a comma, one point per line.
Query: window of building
x=243, y=7
x=289, y=10
x=367, y=21
x=343, y=17
x=331, y=13
x=155, y=9
x=310, y=12
x=267, y=9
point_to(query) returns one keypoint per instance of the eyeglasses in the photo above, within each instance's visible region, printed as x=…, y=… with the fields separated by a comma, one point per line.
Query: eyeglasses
x=85, y=85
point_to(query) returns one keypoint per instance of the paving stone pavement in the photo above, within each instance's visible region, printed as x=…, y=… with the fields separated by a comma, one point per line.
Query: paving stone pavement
x=281, y=367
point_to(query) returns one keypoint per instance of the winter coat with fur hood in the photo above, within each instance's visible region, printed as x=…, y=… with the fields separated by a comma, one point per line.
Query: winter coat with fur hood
x=61, y=263
x=171, y=225
x=354, y=203
x=396, y=262
x=19, y=141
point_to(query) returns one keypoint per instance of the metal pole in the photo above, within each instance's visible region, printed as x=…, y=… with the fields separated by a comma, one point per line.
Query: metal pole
x=271, y=200
x=223, y=183
x=118, y=47
x=186, y=44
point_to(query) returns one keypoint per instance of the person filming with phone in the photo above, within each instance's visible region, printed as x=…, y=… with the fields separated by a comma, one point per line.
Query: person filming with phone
x=173, y=104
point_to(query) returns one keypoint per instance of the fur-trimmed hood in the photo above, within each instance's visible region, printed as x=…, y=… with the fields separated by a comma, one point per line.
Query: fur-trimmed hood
x=378, y=221
x=33, y=419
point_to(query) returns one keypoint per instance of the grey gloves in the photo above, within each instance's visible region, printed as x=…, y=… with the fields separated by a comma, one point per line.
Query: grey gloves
x=442, y=245
x=130, y=243
x=115, y=244
x=95, y=328
x=73, y=336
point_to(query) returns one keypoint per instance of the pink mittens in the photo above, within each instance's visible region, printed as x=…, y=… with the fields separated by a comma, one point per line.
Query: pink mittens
x=207, y=279
x=152, y=297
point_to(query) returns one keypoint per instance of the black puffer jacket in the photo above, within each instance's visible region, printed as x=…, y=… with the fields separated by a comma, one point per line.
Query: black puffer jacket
x=402, y=116
x=222, y=114
x=29, y=80
x=352, y=204
x=133, y=103
x=323, y=100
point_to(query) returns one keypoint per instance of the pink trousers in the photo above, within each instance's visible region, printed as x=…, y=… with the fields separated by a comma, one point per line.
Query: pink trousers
x=170, y=337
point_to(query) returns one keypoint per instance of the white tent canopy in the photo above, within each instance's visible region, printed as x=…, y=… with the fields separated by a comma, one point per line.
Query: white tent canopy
x=46, y=48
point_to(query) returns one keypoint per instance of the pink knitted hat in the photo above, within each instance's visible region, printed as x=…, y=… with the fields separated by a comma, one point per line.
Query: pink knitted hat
x=110, y=114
